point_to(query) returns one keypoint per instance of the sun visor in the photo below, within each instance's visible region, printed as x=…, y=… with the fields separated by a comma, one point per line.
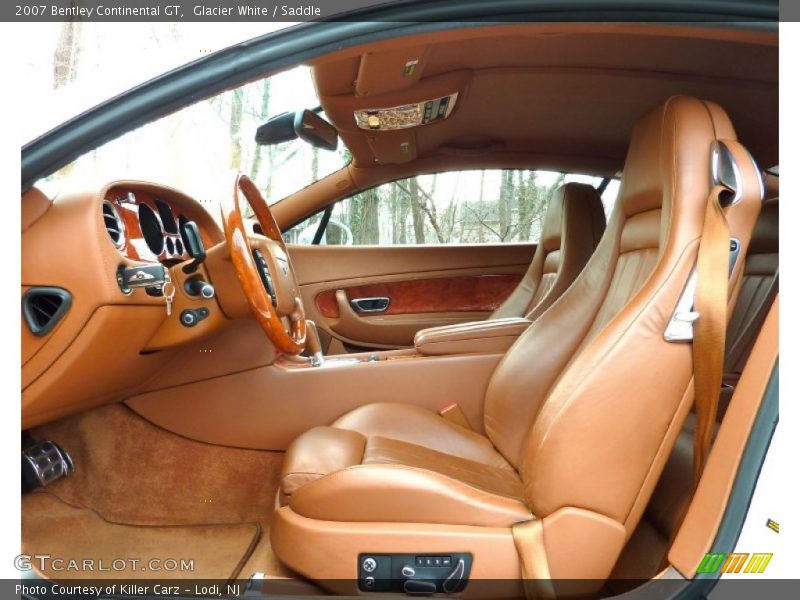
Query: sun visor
x=392, y=147
x=386, y=72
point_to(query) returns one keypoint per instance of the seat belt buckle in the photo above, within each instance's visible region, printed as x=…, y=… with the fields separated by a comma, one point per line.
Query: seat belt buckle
x=454, y=414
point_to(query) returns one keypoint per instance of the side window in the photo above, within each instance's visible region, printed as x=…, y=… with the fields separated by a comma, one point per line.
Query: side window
x=460, y=207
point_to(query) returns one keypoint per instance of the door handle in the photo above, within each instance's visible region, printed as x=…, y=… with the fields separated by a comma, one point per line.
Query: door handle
x=370, y=305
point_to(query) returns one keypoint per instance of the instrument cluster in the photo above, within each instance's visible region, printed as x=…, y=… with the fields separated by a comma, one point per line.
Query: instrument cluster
x=144, y=226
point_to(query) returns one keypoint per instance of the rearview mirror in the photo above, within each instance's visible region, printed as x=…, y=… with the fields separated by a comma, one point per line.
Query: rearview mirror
x=303, y=124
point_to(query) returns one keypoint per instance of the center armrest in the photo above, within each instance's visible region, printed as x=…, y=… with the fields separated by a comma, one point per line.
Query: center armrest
x=486, y=337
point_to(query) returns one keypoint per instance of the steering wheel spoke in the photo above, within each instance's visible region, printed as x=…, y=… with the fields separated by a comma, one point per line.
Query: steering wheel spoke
x=264, y=269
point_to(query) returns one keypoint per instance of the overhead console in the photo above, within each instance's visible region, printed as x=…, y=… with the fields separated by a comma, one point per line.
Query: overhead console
x=384, y=123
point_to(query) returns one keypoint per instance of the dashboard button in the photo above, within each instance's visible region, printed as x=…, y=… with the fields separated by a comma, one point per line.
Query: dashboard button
x=188, y=318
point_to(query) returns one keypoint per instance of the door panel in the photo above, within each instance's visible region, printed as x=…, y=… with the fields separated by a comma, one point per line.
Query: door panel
x=426, y=286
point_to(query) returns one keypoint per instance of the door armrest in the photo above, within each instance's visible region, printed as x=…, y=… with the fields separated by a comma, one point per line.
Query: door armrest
x=494, y=336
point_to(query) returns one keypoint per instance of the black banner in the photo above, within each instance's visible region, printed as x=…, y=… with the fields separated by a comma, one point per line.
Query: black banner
x=109, y=589
x=179, y=10
x=311, y=10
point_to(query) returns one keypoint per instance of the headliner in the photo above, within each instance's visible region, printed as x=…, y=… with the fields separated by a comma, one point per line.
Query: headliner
x=560, y=95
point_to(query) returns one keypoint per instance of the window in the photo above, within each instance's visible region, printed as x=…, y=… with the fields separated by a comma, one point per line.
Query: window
x=193, y=148
x=460, y=207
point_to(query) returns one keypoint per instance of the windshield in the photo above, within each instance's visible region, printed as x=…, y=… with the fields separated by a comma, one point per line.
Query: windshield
x=76, y=65
x=194, y=149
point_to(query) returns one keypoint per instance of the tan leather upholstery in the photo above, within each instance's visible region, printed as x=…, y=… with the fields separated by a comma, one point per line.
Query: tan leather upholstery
x=401, y=482
x=585, y=406
x=492, y=336
x=345, y=442
x=761, y=267
x=305, y=463
x=573, y=226
x=645, y=552
x=377, y=478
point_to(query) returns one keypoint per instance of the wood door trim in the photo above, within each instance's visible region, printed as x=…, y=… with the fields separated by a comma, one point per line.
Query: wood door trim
x=477, y=293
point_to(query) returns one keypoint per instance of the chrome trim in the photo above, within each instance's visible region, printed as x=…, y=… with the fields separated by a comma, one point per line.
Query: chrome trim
x=333, y=362
x=48, y=462
x=680, y=327
x=725, y=171
x=120, y=244
x=760, y=174
x=735, y=248
x=317, y=359
x=355, y=303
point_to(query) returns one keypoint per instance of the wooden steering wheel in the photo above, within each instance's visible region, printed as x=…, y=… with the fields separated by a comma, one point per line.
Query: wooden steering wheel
x=264, y=270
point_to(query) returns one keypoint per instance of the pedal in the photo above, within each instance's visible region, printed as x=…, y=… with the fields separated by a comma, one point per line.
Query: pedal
x=43, y=463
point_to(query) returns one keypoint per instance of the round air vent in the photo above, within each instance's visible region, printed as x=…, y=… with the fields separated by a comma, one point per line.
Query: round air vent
x=113, y=224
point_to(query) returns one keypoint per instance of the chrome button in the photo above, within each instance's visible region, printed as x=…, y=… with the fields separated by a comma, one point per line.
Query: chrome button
x=369, y=564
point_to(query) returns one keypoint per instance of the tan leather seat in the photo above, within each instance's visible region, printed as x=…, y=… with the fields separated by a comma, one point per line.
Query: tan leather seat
x=758, y=287
x=572, y=228
x=644, y=554
x=580, y=414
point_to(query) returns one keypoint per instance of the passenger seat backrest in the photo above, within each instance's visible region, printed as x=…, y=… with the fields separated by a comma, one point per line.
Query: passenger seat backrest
x=758, y=283
x=647, y=548
x=573, y=225
x=590, y=399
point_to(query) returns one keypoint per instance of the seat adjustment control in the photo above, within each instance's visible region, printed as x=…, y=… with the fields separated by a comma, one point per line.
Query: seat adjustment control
x=419, y=586
x=369, y=564
x=408, y=571
x=453, y=581
x=418, y=574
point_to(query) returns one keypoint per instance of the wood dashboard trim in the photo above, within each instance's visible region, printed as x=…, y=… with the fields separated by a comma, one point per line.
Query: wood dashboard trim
x=126, y=201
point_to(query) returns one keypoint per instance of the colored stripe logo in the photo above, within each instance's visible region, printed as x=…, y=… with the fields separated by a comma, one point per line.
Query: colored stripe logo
x=773, y=525
x=735, y=562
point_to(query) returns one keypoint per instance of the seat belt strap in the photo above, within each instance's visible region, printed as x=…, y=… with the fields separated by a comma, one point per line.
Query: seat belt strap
x=708, y=339
x=529, y=541
x=708, y=346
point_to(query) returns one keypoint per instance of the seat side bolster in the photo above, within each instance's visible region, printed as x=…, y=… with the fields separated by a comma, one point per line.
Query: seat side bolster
x=397, y=493
x=316, y=453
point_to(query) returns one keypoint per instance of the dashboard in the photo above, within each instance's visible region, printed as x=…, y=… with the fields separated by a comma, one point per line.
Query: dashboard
x=80, y=324
x=146, y=226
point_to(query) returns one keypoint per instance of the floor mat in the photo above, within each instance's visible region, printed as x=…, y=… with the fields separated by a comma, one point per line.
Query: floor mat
x=51, y=526
x=131, y=471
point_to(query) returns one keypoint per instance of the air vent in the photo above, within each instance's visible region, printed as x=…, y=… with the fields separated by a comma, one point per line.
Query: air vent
x=43, y=308
x=113, y=224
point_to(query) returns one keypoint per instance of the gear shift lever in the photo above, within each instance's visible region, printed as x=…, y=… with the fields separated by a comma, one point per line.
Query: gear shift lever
x=313, y=344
